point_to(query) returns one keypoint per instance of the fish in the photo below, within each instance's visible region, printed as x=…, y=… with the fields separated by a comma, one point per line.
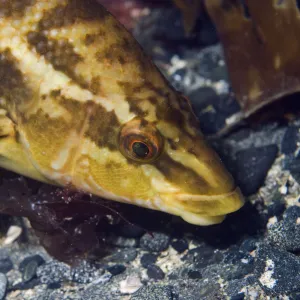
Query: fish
x=82, y=105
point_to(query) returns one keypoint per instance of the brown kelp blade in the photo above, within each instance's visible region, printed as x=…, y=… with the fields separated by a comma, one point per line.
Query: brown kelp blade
x=191, y=10
x=261, y=41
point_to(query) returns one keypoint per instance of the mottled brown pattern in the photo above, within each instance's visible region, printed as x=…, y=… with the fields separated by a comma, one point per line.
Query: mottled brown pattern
x=74, y=11
x=60, y=54
x=183, y=177
x=103, y=128
x=13, y=86
x=10, y=8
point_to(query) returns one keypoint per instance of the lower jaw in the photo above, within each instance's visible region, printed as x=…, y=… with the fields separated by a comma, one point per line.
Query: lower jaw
x=211, y=214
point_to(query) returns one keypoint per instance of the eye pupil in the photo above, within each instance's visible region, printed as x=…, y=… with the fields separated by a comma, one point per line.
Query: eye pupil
x=140, y=149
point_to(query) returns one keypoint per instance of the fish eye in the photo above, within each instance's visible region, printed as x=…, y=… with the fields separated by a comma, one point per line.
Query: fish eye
x=140, y=141
x=140, y=149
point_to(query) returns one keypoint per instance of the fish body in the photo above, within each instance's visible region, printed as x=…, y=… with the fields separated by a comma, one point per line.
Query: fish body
x=82, y=105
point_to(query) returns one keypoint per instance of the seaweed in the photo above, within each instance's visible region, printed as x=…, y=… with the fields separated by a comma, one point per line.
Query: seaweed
x=261, y=46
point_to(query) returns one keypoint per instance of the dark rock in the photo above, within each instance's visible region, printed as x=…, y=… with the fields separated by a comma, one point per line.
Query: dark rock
x=39, y=260
x=248, y=245
x=116, y=269
x=85, y=272
x=234, y=287
x=286, y=233
x=292, y=164
x=201, y=256
x=277, y=271
x=236, y=271
x=6, y=265
x=131, y=231
x=53, y=272
x=155, y=242
x=277, y=207
x=155, y=272
x=194, y=274
x=148, y=259
x=180, y=245
x=212, y=109
x=251, y=167
x=196, y=289
x=124, y=256
x=153, y=292
x=29, y=267
x=54, y=286
x=30, y=271
x=289, y=141
x=3, y=285
x=240, y=296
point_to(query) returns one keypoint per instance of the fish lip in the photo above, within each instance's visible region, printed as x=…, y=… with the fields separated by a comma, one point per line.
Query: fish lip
x=204, y=206
x=204, y=198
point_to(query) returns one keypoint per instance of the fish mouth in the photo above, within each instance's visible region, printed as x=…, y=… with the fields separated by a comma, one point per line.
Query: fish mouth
x=204, y=209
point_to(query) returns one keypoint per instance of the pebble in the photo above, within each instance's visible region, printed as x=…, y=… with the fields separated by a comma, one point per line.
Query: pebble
x=130, y=285
x=289, y=141
x=5, y=265
x=180, y=245
x=123, y=241
x=3, y=285
x=148, y=259
x=252, y=166
x=116, y=269
x=123, y=256
x=154, y=292
x=277, y=271
x=54, y=272
x=155, y=272
x=155, y=242
x=29, y=266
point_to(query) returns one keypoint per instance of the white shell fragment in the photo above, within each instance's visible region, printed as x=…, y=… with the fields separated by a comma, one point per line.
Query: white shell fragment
x=12, y=234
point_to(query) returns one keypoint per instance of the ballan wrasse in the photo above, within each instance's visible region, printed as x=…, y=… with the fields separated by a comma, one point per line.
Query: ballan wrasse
x=82, y=105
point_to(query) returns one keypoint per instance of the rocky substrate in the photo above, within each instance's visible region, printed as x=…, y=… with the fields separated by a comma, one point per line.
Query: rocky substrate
x=253, y=254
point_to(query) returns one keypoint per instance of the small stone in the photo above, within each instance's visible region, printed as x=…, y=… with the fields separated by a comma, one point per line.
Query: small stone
x=194, y=274
x=240, y=296
x=54, y=286
x=153, y=292
x=36, y=258
x=116, y=269
x=248, y=245
x=3, y=285
x=12, y=234
x=130, y=285
x=155, y=242
x=180, y=245
x=155, y=272
x=277, y=271
x=201, y=256
x=53, y=272
x=252, y=166
x=131, y=231
x=289, y=141
x=29, y=266
x=148, y=259
x=6, y=265
x=124, y=256
x=85, y=272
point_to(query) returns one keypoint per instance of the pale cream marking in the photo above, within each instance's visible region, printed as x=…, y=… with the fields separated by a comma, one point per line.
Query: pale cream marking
x=189, y=160
x=158, y=181
x=72, y=142
x=168, y=131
